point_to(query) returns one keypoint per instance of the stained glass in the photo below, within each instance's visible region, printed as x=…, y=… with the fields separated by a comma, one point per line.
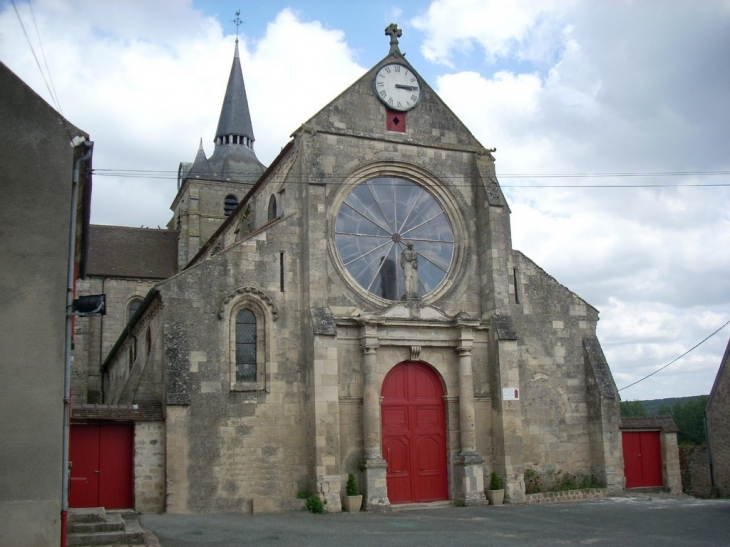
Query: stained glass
x=245, y=346
x=374, y=224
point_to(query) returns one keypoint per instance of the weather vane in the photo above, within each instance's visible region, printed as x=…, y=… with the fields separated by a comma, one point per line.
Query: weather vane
x=237, y=21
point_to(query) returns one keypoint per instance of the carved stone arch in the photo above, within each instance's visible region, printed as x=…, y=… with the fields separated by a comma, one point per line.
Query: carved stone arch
x=254, y=293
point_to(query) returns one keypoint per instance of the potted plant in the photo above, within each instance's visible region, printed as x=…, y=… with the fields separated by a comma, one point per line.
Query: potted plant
x=495, y=494
x=353, y=499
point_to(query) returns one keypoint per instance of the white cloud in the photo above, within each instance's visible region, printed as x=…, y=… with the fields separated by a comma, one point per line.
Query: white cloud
x=628, y=91
x=521, y=28
x=558, y=87
x=146, y=81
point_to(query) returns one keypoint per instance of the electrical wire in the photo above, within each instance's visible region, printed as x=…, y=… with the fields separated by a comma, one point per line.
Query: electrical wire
x=331, y=179
x=43, y=53
x=53, y=97
x=678, y=358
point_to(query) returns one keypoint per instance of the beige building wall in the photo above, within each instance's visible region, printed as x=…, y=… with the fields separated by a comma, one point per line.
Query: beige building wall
x=35, y=215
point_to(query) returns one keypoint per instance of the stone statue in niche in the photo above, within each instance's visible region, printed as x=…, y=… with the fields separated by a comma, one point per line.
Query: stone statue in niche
x=409, y=263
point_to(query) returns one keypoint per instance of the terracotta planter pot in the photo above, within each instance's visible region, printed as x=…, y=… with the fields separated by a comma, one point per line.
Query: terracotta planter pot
x=495, y=497
x=352, y=504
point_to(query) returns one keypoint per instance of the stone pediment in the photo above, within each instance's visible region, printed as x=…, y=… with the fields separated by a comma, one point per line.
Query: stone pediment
x=402, y=310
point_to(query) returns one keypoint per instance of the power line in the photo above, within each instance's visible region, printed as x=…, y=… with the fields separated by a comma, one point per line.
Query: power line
x=678, y=358
x=43, y=52
x=53, y=97
x=172, y=175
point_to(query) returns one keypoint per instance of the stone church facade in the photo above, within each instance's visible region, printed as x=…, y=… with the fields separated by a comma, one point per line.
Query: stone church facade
x=360, y=309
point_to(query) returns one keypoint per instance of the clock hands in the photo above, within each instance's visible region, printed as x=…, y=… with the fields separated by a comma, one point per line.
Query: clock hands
x=408, y=87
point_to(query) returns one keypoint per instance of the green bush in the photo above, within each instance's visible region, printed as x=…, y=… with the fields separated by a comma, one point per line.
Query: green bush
x=533, y=485
x=314, y=504
x=351, y=488
x=495, y=483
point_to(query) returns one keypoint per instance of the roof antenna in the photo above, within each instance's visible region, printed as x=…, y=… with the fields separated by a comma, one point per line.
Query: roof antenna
x=237, y=21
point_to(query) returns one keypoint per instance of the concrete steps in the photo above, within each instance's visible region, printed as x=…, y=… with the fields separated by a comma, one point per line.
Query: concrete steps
x=94, y=526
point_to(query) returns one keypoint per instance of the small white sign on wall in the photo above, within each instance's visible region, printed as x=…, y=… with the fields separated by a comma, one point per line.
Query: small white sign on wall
x=510, y=394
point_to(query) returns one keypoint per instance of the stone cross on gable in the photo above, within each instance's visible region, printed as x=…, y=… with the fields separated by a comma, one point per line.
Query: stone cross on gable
x=394, y=32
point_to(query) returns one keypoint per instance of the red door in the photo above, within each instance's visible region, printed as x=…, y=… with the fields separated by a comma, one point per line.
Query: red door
x=642, y=458
x=414, y=434
x=102, y=473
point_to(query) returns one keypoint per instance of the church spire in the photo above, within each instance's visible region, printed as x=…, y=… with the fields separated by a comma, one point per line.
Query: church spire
x=234, y=125
x=234, y=159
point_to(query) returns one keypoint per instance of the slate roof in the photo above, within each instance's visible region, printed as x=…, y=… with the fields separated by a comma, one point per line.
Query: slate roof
x=121, y=251
x=235, y=117
x=664, y=423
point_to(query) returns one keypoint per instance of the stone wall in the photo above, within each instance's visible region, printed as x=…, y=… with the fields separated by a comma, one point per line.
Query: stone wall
x=149, y=467
x=230, y=446
x=566, y=495
x=95, y=336
x=718, y=428
x=551, y=324
x=198, y=211
x=694, y=462
x=133, y=373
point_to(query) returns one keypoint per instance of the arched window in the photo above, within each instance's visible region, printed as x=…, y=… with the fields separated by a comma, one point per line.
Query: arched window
x=272, y=207
x=230, y=203
x=133, y=307
x=246, y=334
x=249, y=312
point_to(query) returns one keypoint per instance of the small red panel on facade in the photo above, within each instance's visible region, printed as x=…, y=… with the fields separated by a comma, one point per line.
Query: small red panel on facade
x=395, y=121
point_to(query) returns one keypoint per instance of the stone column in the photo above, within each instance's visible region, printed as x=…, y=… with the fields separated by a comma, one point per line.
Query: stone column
x=468, y=469
x=373, y=464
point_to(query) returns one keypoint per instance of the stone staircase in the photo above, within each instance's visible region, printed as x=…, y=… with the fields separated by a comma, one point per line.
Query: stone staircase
x=94, y=526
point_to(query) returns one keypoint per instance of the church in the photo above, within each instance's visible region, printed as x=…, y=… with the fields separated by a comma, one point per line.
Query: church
x=356, y=307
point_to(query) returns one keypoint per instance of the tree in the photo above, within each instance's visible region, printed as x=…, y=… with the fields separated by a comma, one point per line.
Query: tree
x=633, y=408
x=690, y=419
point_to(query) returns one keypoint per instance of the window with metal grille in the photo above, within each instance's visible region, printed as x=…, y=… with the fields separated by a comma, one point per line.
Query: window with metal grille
x=230, y=203
x=245, y=346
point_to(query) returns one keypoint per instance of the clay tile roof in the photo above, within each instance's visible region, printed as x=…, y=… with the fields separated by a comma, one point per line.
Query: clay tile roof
x=142, y=412
x=121, y=251
x=665, y=423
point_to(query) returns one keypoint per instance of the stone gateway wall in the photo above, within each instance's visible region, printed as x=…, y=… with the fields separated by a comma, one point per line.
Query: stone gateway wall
x=694, y=462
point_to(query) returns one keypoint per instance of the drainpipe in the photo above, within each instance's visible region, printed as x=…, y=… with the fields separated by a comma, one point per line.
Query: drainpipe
x=70, y=282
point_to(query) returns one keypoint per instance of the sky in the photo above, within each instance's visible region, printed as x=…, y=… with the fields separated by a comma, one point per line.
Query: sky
x=624, y=104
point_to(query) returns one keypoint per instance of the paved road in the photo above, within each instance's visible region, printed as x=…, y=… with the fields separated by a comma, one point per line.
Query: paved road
x=661, y=521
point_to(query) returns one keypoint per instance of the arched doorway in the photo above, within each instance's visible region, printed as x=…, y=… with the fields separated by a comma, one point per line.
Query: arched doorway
x=414, y=434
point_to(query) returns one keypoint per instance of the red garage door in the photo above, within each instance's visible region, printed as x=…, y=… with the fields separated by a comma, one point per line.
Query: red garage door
x=414, y=434
x=102, y=473
x=642, y=458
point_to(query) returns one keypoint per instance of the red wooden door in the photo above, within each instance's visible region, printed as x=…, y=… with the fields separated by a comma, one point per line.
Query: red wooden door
x=102, y=473
x=642, y=459
x=414, y=434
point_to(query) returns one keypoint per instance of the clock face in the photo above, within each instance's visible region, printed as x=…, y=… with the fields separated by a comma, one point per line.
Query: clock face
x=397, y=87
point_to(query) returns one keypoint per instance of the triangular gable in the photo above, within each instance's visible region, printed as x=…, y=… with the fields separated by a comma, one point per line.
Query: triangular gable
x=357, y=111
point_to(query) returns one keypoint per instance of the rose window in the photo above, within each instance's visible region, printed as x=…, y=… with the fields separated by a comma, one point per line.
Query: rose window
x=375, y=225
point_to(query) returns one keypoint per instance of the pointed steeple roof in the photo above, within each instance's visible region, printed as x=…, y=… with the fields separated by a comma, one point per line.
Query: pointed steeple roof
x=200, y=167
x=234, y=159
x=235, y=117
